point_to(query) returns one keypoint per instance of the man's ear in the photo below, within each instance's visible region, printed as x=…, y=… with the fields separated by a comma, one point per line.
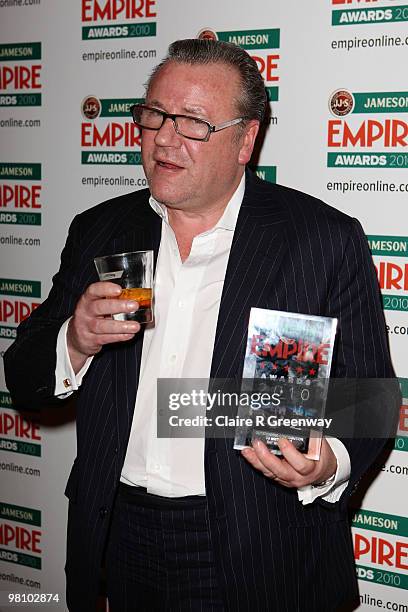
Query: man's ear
x=248, y=141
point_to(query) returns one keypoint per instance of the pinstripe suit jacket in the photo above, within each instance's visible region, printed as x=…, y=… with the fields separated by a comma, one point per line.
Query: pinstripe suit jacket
x=290, y=252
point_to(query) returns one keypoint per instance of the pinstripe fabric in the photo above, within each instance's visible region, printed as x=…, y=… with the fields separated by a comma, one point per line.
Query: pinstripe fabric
x=290, y=252
x=159, y=556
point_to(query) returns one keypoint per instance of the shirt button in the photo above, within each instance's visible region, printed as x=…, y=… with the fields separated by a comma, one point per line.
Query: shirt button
x=156, y=467
x=173, y=358
x=181, y=304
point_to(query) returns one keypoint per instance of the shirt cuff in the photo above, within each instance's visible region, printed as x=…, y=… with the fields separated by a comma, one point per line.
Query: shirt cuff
x=333, y=490
x=66, y=381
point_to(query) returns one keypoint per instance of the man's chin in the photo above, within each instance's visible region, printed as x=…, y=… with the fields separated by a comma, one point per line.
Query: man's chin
x=165, y=193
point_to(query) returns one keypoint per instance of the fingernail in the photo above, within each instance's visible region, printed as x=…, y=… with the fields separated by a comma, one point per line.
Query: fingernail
x=132, y=327
x=132, y=305
x=283, y=443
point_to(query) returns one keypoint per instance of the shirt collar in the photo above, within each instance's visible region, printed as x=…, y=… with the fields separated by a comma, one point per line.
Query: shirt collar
x=229, y=217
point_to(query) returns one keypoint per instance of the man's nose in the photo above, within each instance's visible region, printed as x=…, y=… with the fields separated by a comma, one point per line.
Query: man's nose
x=167, y=135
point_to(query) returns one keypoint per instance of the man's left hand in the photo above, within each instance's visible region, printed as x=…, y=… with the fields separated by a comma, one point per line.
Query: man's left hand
x=293, y=469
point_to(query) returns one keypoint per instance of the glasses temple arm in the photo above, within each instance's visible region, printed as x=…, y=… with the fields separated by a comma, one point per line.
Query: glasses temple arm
x=221, y=126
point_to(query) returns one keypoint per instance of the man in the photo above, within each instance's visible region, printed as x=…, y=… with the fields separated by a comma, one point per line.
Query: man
x=197, y=525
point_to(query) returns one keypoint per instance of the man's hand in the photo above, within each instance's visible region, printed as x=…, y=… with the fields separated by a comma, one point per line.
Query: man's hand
x=92, y=326
x=293, y=470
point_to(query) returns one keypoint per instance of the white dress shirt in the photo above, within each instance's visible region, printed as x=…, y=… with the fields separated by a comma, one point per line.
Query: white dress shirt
x=187, y=300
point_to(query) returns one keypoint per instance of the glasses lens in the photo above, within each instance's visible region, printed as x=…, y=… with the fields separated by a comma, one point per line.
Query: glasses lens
x=147, y=117
x=151, y=118
x=192, y=128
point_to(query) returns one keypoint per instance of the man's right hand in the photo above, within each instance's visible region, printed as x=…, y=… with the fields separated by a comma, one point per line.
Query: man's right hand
x=92, y=325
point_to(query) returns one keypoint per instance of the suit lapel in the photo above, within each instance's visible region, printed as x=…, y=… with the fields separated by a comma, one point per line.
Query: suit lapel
x=257, y=250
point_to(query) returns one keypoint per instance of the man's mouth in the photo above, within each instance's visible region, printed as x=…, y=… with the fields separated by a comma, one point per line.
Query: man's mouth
x=168, y=165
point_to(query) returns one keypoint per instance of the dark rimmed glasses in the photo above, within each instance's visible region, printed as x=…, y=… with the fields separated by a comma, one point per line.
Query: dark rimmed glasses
x=150, y=118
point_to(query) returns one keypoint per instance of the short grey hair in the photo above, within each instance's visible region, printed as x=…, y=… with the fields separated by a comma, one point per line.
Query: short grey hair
x=252, y=99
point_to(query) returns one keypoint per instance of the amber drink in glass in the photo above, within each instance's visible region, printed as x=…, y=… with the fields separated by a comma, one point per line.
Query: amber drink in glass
x=134, y=273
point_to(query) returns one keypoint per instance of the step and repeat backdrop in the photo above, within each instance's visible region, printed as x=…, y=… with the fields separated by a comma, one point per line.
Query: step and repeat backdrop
x=336, y=75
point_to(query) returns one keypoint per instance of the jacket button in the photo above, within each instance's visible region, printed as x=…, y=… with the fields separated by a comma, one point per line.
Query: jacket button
x=103, y=512
x=116, y=450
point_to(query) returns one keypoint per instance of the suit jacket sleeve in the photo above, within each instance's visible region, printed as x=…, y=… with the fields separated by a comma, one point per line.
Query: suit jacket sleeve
x=362, y=353
x=30, y=361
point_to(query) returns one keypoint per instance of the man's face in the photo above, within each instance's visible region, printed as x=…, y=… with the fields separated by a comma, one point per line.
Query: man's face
x=186, y=174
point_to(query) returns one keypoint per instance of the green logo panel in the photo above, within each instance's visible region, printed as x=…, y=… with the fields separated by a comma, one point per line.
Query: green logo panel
x=20, y=558
x=360, y=159
x=372, y=15
x=267, y=173
x=378, y=521
x=16, y=99
x=124, y=30
x=5, y=400
x=118, y=107
x=381, y=102
x=252, y=39
x=393, y=579
x=401, y=443
x=272, y=93
x=8, y=333
x=20, y=52
x=111, y=157
x=23, y=448
x=395, y=246
x=20, y=172
x=18, y=218
x=404, y=387
x=20, y=514
x=395, y=302
x=9, y=286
